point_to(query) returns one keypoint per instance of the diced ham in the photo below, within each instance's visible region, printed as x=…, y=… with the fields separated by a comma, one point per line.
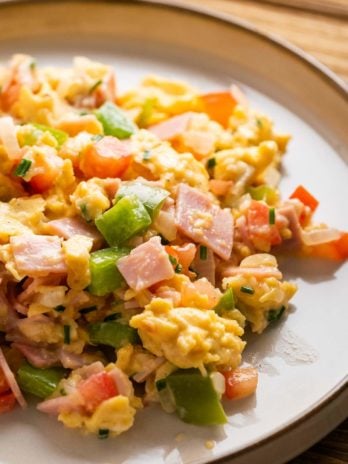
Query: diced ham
x=204, y=222
x=289, y=212
x=146, y=265
x=11, y=380
x=38, y=255
x=38, y=357
x=69, y=227
x=258, y=272
x=171, y=128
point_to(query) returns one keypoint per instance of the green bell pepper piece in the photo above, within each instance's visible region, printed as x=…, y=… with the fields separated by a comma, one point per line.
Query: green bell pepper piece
x=114, y=121
x=264, y=192
x=194, y=397
x=59, y=135
x=124, y=220
x=226, y=302
x=39, y=382
x=151, y=197
x=112, y=333
x=105, y=277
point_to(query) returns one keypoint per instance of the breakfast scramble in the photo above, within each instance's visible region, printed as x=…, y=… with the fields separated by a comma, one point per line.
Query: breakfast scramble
x=138, y=240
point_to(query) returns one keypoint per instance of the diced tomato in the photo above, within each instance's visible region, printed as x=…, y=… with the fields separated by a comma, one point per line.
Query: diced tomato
x=240, y=383
x=172, y=252
x=7, y=402
x=3, y=383
x=259, y=226
x=336, y=250
x=10, y=94
x=218, y=106
x=51, y=165
x=342, y=245
x=96, y=389
x=108, y=157
x=307, y=198
x=183, y=255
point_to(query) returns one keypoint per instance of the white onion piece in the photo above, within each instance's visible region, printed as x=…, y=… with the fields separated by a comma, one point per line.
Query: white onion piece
x=219, y=382
x=239, y=96
x=319, y=236
x=12, y=382
x=165, y=225
x=8, y=135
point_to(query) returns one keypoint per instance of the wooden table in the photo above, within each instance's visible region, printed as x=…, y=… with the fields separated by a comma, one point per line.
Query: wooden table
x=320, y=27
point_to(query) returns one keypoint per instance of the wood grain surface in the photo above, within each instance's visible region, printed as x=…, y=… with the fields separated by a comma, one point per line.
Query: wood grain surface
x=320, y=27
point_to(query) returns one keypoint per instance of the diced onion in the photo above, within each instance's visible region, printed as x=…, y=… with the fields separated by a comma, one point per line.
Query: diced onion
x=8, y=137
x=11, y=380
x=219, y=382
x=319, y=236
x=165, y=225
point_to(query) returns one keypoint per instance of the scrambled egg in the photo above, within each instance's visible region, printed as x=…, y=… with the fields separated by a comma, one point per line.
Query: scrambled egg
x=165, y=164
x=20, y=216
x=90, y=198
x=268, y=293
x=165, y=97
x=189, y=337
x=115, y=414
x=76, y=252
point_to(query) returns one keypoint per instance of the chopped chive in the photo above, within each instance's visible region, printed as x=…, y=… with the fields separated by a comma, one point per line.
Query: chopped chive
x=83, y=113
x=59, y=308
x=88, y=309
x=146, y=155
x=95, y=86
x=32, y=65
x=271, y=216
x=67, y=338
x=247, y=289
x=97, y=137
x=103, y=433
x=173, y=260
x=112, y=317
x=22, y=168
x=164, y=241
x=178, y=269
x=203, y=252
x=211, y=163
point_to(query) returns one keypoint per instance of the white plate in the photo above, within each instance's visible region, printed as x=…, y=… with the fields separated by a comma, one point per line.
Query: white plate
x=302, y=361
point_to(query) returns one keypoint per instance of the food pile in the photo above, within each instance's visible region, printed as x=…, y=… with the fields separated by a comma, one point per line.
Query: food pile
x=138, y=240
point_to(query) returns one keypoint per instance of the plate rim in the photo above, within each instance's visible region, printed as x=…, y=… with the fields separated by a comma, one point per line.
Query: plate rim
x=339, y=85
